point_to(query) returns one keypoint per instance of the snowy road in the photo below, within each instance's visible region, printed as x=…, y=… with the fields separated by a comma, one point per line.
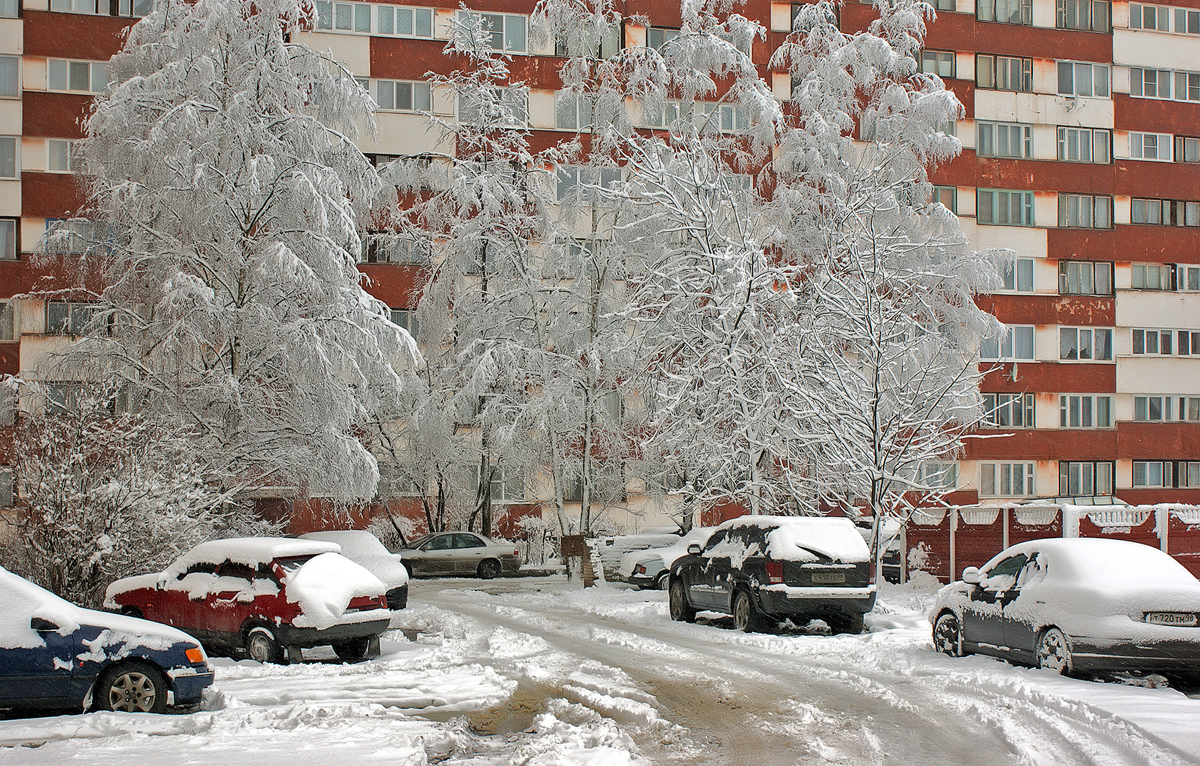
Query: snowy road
x=529, y=671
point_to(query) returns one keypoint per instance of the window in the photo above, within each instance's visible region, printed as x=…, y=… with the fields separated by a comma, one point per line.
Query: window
x=1150, y=409
x=1006, y=480
x=657, y=37
x=1085, y=411
x=73, y=6
x=1001, y=139
x=69, y=237
x=948, y=196
x=134, y=8
x=1084, y=211
x=1153, y=276
x=381, y=247
x=402, y=96
x=1187, y=86
x=1001, y=207
x=1005, y=11
x=493, y=106
x=1189, y=474
x=1018, y=275
x=79, y=76
x=729, y=118
x=64, y=318
x=941, y=5
x=1085, y=278
x=569, y=178
x=403, y=22
x=406, y=318
x=1014, y=344
x=1150, y=146
x=1086, y=15
x=10, y=9
x=1189, y=409
x=1085, y=344
x=1165, y=212
x=62, y=157
x=8, y=239
x=1187, y=21
x=608, y=46
x=939, y=476
x=1149, y=83
x=505, y=32
x=940, y=63
x=1081, y=479
x=9, y=165
x=1189, y=278
x=1085, y=145
x=1189, y=343
x=1152, y=342
x=1149, y=17
x=1008, y=410
x=1152, y=473
x=1003, y=73
x=1083, y=79
x=10, y=76
x=1187, y=149
x=572, y=111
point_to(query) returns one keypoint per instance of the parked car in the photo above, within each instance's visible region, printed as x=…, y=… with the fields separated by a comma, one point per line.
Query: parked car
x=265, y=596
x=1075, y=604
x=460, y=553
x=364, y=549
x=649, y=568
x=762, y=569
x=55, y=655
x=613, y=548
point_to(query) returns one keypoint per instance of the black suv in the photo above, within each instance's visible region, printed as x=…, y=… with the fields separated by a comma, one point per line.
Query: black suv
x=762, y=569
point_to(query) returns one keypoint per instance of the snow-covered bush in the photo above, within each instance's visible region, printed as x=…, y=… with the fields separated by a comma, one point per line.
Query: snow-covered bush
x=105, y=494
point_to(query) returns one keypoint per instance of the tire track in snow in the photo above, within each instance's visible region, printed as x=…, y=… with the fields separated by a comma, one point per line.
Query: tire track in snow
x=878, y=714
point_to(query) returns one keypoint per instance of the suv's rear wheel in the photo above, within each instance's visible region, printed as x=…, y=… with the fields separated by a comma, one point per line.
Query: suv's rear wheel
x=845, y=623
x=678, y=604
x=352, y=649
x=947, y=635
x=262, y=646
x=746, y=616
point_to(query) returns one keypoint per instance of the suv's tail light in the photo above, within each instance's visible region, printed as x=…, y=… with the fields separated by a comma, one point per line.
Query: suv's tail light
x=774, y=572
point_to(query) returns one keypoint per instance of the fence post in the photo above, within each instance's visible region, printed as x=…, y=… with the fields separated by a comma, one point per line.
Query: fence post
x=1162, y=519
x=953, y=552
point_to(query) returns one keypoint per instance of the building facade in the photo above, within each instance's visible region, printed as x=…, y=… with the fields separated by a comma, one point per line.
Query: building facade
x=1081, y=152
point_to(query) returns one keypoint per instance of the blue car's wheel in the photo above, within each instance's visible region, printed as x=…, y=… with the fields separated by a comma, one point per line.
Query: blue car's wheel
x=131, y=687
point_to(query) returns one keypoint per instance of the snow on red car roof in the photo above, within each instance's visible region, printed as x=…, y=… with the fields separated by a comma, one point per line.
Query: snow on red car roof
x=251, y=551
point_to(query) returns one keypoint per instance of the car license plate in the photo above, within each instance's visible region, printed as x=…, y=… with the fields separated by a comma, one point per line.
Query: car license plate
x=829, y=578
x=1184, y=619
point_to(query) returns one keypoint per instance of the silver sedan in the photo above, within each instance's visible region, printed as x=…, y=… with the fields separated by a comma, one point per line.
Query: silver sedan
x=460, y=553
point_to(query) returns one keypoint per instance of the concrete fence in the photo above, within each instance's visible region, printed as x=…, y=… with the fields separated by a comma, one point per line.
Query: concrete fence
x=944, y=541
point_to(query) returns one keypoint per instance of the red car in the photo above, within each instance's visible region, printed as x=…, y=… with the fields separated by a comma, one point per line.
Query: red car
x=265, y=597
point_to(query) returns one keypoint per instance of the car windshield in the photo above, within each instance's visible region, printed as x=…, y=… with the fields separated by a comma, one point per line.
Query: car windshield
x=292, y=563
x=418, y=542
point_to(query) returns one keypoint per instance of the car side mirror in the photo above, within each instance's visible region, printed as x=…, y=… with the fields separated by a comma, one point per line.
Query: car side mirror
x=42, y=625
x=694, y=548
x=972, y=576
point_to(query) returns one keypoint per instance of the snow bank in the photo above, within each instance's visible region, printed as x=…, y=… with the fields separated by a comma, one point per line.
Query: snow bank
x=324, y=585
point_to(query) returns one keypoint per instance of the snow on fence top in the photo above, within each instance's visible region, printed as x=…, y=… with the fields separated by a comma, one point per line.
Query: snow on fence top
x=1044, y=514
x=985, y=515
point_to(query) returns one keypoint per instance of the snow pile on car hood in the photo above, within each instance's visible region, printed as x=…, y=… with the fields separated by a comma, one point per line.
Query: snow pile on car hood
x=808, y=538
x=324, y=585
x=364, y=548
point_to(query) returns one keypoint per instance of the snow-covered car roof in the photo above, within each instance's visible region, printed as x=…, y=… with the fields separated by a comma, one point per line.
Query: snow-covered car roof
x=251, y=551
x=1109, y=565
x=797, y=538
x=364, y=548
x=20, y=600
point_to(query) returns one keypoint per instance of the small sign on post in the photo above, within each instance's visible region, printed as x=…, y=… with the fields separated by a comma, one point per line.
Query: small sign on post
x=578, y=558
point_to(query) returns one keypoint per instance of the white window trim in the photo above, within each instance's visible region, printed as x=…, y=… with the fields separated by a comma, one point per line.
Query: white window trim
x=1028, y=468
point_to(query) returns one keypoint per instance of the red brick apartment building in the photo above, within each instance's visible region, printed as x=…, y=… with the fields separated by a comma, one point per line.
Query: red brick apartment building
x=1081, y=151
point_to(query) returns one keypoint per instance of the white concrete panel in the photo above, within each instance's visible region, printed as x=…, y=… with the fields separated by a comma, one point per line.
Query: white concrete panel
x=1045, y=342
x=1120, y=79
x=1045, y=15
x=36, y=349
x=1160, y=50
x=781, y=17
x=1045, y=209
x=1045, y=411
x=1045, y=276
x=1122, y=276
x=1145, y=308
x=443, y=101
x=32, y=230
x=541, y=109
x=1043, y=108
x=1120, y=15
x=1158, y=374
x=1123, y=407
x=12, y=35
x=442, y=21
x=1045, y=142
x=352, y=51
x=1123, y=475
x=781, y=85
x=33, y=73
x=10, y=117
x=967, y=134
x=1045, y=75
x=1045, y=478
x=404, y=134
x=33, y=153
x=1026, y=240
x=37, y=5
x=965, y=199
x=964, y=65
x=10, y=198
x=1122, y=209
x=635, y=36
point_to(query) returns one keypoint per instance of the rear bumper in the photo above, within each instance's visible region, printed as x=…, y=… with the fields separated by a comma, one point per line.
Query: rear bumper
x=1170, y=655
x=816, y=601
x=292, y=636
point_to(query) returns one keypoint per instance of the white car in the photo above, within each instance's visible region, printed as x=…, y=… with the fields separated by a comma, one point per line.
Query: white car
x=1075, y=604
x=364, y=549
x=649, y=568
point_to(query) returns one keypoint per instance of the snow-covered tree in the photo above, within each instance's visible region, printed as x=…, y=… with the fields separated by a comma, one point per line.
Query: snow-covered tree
x=106, y=493
x=222, y=175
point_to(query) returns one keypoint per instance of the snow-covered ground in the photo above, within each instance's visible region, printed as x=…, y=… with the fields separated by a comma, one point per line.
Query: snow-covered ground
x=532, y=672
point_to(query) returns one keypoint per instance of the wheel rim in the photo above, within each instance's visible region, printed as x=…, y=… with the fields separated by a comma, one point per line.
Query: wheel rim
x=676, y=602
x=259, y=648
x=1053, y=653
x=132, y=692
x=489, y=569
x=946, y=635
x=741, y=612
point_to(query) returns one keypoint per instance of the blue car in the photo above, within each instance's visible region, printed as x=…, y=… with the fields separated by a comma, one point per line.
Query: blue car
x=55, y=655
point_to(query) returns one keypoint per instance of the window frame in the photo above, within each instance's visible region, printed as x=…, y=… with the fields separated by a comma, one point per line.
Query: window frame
x=1012, y=340
x=1147, y=467
x=414, y=87
x=92, y=65
x=1137, y=146
x=1094, y=347
x=994, y=67
x=1005, y=405
x=993, y=131
x=1074, y=68
x=1072, y=412
x=1001, y=473
x=1064, y=277
x=1026, y=207
x=985, y=11
x=938, y=57
x=1062, y=15
x=1065, y=144
x=1094, y=466
x=1140, y=336
x=1097, y=221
